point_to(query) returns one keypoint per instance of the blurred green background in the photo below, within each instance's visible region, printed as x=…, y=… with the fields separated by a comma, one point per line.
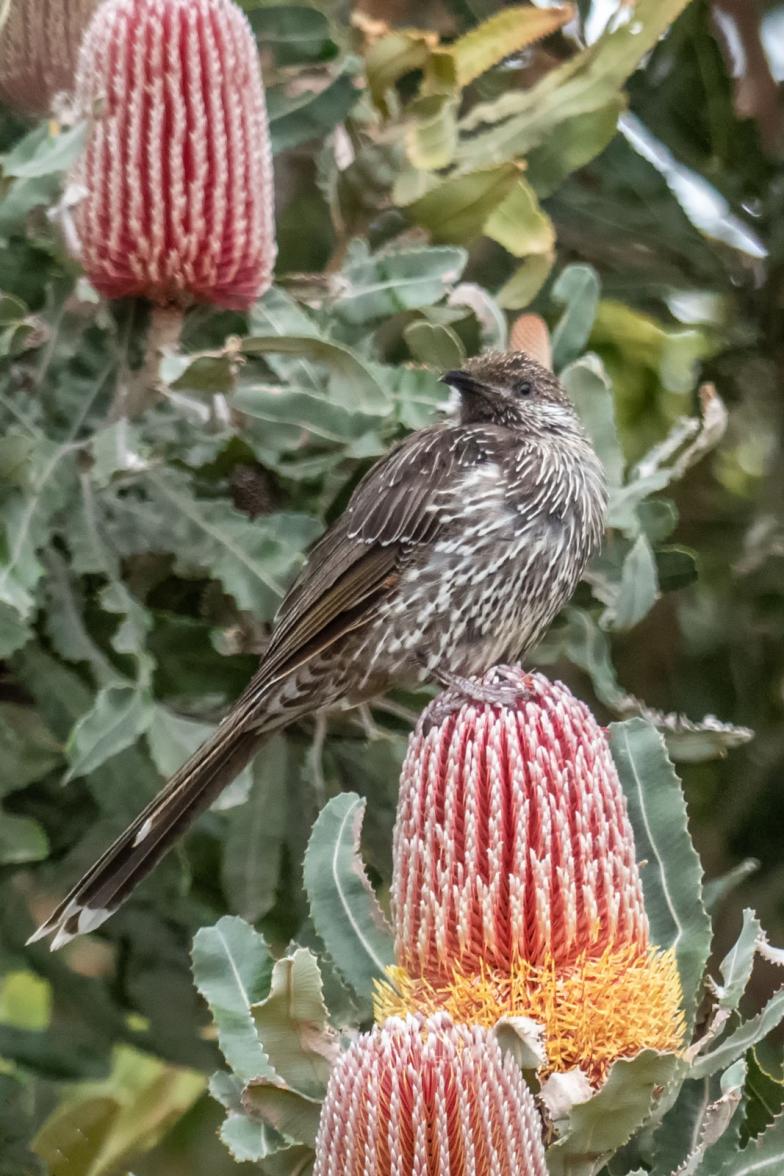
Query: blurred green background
x=121, y=610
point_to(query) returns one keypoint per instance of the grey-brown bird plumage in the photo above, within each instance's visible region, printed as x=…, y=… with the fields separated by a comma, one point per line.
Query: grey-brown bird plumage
x=455, y=552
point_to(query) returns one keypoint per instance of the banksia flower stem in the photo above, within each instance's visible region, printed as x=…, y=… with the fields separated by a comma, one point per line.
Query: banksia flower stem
x=428, y=1098
x=136, y=393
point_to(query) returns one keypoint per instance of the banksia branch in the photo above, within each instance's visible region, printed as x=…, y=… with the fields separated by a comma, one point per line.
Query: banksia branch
x=39, y=46
x=515, y=885
x=428, y=1098
x=176, y=176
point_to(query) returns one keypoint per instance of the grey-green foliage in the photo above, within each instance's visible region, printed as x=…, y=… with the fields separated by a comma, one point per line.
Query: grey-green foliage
x=275, y=1035
x=344, y=909
x=137, y=583
x=672, y=881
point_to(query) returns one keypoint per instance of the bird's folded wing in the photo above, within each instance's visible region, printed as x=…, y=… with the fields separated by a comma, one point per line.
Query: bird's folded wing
x=350, y=571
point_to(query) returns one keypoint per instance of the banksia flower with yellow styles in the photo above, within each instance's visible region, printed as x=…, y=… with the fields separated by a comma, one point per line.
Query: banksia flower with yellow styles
x=428, y=1098
x=39, y=46
x=515, y=888
x=176, y=179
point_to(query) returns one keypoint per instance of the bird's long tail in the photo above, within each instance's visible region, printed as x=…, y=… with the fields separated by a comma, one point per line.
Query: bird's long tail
x=139, y=849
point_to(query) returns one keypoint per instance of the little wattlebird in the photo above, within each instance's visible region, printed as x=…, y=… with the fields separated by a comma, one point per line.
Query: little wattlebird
x=455, y=552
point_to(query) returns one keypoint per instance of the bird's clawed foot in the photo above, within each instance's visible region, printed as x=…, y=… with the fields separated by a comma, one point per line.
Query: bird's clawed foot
x=510, y=690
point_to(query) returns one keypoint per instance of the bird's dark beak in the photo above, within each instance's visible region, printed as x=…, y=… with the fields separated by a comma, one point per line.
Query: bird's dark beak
x=466, y=384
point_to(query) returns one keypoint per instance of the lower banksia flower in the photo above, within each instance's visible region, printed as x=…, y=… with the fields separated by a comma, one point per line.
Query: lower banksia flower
x=39, y=45
x=176, y=176
x=422, y=1097
x=515, y=885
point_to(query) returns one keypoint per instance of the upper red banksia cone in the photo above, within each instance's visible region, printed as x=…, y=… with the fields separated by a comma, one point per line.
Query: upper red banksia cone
x=176, y=177
x=39, y=46
x=512, y=839
x=426, y=1098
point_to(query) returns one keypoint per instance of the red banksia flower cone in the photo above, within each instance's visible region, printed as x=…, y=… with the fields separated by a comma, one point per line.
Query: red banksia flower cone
x=428, y=1098
x=515, y=885
x=39, y=46
x=176, y=177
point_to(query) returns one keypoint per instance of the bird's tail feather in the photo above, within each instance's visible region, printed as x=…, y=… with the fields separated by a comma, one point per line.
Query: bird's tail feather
x=139, y=849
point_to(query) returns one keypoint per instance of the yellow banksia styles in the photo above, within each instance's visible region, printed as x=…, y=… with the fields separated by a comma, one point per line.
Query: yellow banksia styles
x=39, y=47
x=516, y=889
x=173, y=193
x=425, y=1097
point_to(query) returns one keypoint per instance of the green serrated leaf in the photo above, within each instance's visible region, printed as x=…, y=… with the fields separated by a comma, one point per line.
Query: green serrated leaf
x=638, y=588
x=519, y=121
x=253, y=844
x=672, y=878
x=232, y=968
x=521, y=288
x=520, y=225
x=764, y=1097
x=505, y=33
x=254, y=559
x=21, y=840
x=293, y=1026
x=577, y=290
x=715, y=1128
x=286, y=1111
x=717, y=889
x=344, y=909
x=586, y=645
x=96, y=1130
x=247, y=1138
x=293, y=33
x=119, y=715
x=391, y=57
x=590, y=389
x=300, y=115
x=678, y=1133
x=676, y=567
x=458, y=208
x=748, y=1034
x=763, y=1157
x=355, y=387
x=16, y=1113
x=736, y=966
x=488, y=314
x=605, y=1122
x=28, y=749
x=45, y=151
x=26, y=523
x=579, y=140
x=290, y=418
x=431, y=135
x=384, y=284
x=435, y=345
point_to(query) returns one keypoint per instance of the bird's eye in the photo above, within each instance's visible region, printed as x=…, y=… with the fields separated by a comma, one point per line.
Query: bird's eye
x=523, y=388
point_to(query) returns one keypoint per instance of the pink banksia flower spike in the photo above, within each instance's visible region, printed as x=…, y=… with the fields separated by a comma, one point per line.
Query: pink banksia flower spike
x=530, y=334
x=39, y=46
x=173, y=193
x=424, y=1097
x=516, y=889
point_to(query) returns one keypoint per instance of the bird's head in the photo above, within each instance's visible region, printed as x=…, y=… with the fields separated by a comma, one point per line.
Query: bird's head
x=511, y=389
